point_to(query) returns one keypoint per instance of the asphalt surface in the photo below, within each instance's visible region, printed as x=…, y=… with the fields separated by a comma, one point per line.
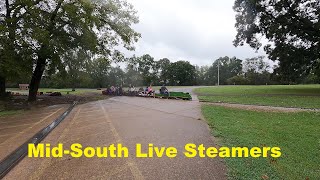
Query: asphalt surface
x=128, y=120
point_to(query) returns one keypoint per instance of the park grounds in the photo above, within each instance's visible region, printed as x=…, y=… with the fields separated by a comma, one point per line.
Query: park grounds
x=285, y=116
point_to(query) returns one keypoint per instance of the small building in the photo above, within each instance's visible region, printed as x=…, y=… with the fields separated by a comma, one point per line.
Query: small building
x=24, y=86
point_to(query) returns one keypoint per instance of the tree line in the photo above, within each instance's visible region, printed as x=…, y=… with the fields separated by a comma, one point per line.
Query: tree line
x=145, y=70
x=72, y=43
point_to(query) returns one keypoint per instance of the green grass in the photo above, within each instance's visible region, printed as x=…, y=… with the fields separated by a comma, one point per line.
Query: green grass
x=304, y=96
x=260, y=90
x=9, y=113
x=297, y=134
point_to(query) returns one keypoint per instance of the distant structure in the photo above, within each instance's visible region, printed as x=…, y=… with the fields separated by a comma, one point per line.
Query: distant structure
x=24, y=86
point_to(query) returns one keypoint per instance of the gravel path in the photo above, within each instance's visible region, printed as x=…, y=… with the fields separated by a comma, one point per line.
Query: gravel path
x=262, y=108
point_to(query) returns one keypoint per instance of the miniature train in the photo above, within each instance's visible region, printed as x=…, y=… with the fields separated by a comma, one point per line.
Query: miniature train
x=143, y=93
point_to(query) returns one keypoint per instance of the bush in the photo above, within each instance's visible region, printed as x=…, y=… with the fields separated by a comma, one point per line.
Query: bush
x=237, y=80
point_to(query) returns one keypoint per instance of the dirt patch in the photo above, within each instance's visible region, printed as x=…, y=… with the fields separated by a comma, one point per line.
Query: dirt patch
x=259, y=95
x=21, y=103
x=262, y=108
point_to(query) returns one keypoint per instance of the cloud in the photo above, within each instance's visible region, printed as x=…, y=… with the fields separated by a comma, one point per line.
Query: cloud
x=197, y=31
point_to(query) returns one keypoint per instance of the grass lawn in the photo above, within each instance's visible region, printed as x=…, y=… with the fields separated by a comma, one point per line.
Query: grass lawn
x=297, y=134
x=304, y=96
x=8, y=113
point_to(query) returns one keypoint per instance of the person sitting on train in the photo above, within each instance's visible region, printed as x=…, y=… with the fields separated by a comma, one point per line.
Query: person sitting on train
x=113, y=90
x=164, y=90
x=149, y=90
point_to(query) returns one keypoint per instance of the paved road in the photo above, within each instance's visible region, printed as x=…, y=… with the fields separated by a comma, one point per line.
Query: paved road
x=128, y=120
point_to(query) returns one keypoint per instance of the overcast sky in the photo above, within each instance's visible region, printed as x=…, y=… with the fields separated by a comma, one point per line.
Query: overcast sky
x=199, y=31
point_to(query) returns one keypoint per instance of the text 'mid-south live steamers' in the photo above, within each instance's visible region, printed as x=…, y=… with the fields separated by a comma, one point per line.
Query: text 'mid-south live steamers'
x=149, y=151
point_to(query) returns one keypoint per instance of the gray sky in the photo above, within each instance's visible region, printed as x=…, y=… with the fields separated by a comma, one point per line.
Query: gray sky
x=199, y=31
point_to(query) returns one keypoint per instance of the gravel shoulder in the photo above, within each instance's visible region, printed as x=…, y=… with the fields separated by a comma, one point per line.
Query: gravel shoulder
x=262, y=108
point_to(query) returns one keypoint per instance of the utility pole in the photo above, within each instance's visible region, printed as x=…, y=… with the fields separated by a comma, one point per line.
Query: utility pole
x=218, y=72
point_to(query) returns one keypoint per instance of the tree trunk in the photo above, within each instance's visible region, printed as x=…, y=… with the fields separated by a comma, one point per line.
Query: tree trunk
x=36, y=78
x=2, y=87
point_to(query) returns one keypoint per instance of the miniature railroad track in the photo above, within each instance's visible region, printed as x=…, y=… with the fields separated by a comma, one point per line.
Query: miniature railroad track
x=17, y=155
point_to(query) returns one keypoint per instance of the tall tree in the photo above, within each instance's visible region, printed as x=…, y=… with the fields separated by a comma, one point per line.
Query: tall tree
x=202, y=77
x=96, y=26
x=146, y=66
x=75, y=62
x=182, y=73
x=133, y=76
x=49, y=28
x=229, y=67
x=255, y=64
x=256, y=70
x=291, y=26
x=15, y=56
x=164, y=65
x=99, y=70
x=116, y=76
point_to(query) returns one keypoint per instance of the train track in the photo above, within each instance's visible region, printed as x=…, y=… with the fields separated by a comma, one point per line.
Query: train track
x=17, y=155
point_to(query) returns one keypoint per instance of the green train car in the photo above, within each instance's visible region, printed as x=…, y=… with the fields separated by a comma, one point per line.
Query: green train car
x=175, y=95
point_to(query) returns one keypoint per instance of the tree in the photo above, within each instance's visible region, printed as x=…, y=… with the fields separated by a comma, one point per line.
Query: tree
x=15, y=58
x=75, y=61
x=229, y=67
x=71, y=71
x=202, y=77
x=290, y=26
x=182, y=73
x=50, y=28
x=99, y=70
x=133, y=75
x=256, y=71
x=116, y=76
x=146, y=67
x=238, y=80
x=164, y=65
x=255, y=64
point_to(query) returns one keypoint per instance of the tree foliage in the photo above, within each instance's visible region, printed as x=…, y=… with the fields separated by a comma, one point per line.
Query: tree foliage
x=291, y=26
x=229, y=67
x=182, y=73
x=144, y=70
x=45, y=30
